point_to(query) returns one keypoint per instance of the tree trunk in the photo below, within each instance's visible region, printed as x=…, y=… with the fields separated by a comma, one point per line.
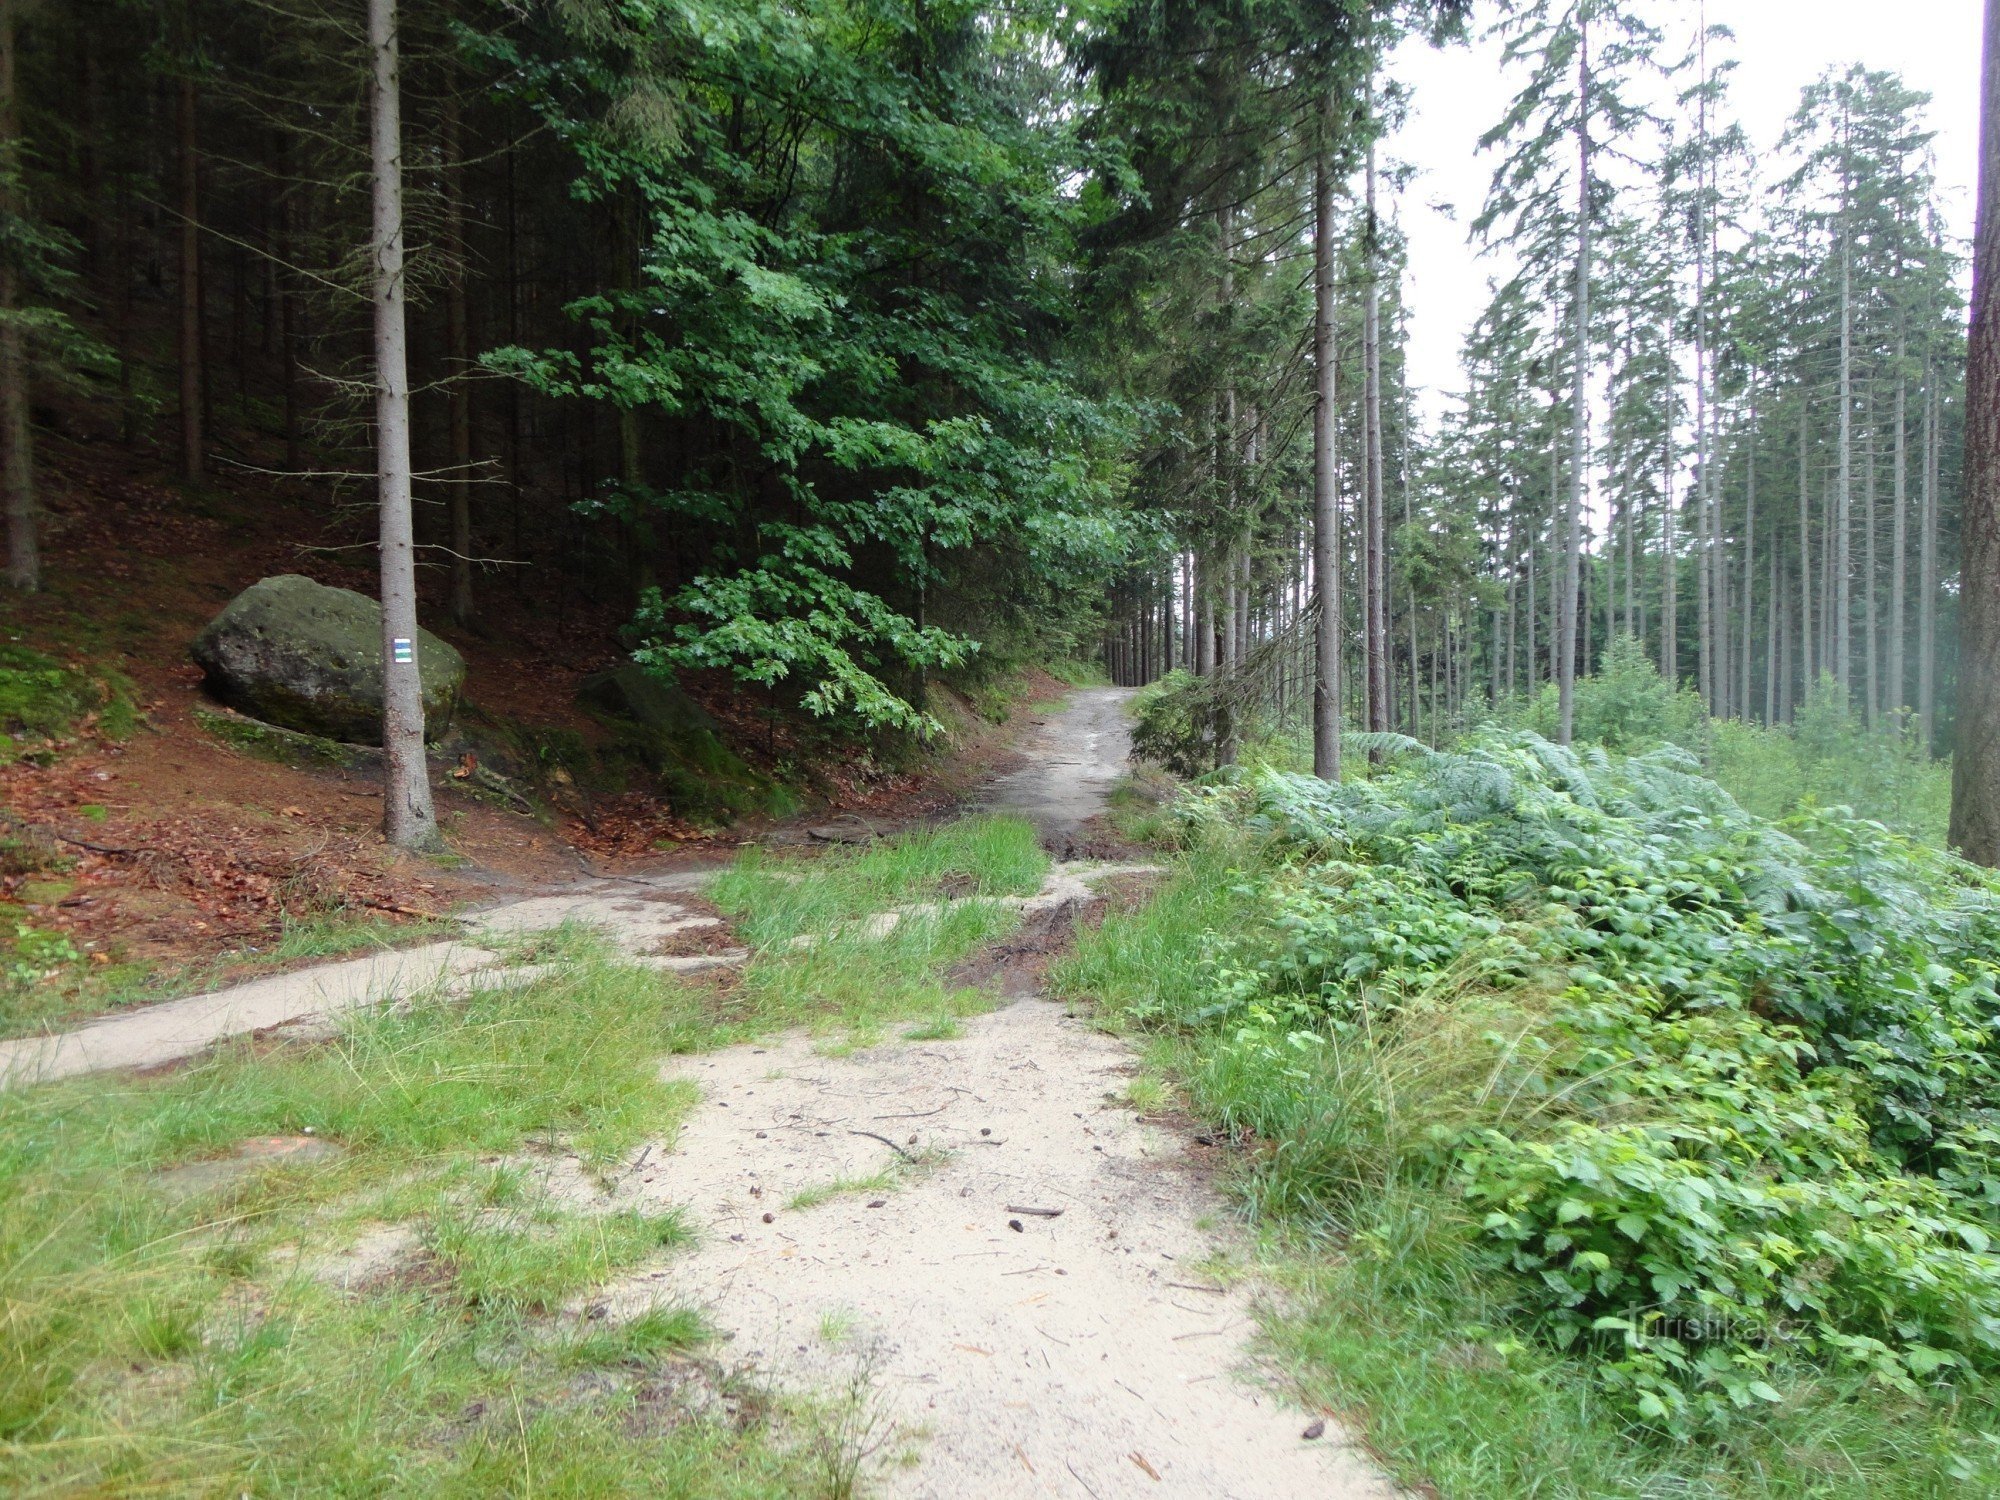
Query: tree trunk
x=289, y=317
x=1374, y=555
x=1326, y=504
x=407, y=816
x=1743, y=698
x=1670, y=588
x=458, y=341
x=17, y=462
x=1805, y=554
x=1899, y=538
x=1842, y=620
x=1927, y=579
x=192, y=383
x=1871, y=657
x=1975, y=780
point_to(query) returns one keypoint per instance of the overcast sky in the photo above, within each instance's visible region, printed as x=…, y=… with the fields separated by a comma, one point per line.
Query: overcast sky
x=1781, y=46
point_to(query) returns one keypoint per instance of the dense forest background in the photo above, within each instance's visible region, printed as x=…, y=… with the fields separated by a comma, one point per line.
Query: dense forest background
x=839, y=347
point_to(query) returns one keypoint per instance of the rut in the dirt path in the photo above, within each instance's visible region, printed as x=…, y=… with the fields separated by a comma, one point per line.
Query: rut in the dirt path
x=997, y=1272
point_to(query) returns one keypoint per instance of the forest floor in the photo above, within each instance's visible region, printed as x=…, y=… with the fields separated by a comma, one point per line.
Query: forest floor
x=974, y=1248
x=172, y=860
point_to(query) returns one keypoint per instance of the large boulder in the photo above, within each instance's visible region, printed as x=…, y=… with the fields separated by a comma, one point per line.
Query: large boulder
x=298, y=654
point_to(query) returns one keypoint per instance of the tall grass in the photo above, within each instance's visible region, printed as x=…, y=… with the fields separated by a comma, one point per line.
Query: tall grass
x=159, y=1339
x=818, y=961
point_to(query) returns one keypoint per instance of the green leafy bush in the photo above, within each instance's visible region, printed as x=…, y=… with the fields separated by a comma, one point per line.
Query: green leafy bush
x=1716, y=1101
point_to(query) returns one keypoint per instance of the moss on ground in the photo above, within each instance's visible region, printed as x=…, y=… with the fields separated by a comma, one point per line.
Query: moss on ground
x=42, y=701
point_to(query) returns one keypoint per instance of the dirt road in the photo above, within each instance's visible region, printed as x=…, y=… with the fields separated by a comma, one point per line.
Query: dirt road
x=1012, y=1285
x=970, y=1255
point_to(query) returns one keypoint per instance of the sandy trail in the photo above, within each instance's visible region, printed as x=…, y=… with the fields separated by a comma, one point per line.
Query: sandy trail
x=1091, y=1354
x=1072, y=761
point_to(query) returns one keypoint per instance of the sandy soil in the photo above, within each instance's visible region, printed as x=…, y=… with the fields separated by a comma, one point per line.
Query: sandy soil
x=1091, y=1349
x=1096, y=1352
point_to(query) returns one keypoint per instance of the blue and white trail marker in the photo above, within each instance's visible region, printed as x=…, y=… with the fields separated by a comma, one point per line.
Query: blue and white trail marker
x=404, y=650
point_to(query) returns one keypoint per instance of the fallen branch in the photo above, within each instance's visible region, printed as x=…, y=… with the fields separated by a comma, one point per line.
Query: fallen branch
x=887, y=1142
x=36, y=830
x=1035, y=1213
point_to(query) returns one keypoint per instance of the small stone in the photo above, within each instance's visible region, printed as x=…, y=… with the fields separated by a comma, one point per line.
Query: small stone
x=762, y=1135
x=877, y=1202
x=770, y=1218
x=1016, y=1226
x=1316, y=1428
x=984, y=1131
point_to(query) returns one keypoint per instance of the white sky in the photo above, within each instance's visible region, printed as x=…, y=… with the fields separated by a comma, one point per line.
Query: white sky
x=1781, y=45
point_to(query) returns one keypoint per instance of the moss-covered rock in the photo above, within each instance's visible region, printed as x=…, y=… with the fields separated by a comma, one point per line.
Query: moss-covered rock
x=304, y=656
x=285, y=747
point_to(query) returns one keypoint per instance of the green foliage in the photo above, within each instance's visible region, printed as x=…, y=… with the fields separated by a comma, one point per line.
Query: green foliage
x=1180, y=721
x=1717, y=1105
x=1830, y=758
x=852, y=335
x=824, y=954
x=1625, y=705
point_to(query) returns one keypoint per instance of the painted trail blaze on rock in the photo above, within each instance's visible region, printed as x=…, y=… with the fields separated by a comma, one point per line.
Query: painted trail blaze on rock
x=304, y=656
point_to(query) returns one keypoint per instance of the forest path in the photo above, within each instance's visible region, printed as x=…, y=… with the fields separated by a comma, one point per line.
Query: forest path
x=1002, y=1278
x=1018, y=1297
x=1071, y=761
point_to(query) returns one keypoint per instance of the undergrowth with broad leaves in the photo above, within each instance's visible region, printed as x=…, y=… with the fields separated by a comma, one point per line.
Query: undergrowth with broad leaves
x=1707, y=1107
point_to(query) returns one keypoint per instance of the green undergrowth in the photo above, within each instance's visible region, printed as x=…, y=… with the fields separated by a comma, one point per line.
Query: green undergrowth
x=1619, y=1142
x=161, y=1333
x=817, y=958
x=43, y=701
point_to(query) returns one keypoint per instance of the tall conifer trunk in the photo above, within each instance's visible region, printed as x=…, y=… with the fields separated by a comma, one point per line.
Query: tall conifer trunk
x=1375, y=554
x=1899, y=536
x=193, y=391
x=17, y=462
x=1975, y=779
x=1579, y=417
x=1326, y=509
x=407, y=816
x=458, y=340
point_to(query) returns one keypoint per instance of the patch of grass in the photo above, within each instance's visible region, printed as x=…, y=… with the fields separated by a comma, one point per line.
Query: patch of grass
x=943, y=1027
x=774, y=898
x=636, y=1341
x=1149, y=964
x=154, y=1341
x=1149, y=1093
x=531, y=1261
x=817, y=961
x=40, y=996
x=842, y=1187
